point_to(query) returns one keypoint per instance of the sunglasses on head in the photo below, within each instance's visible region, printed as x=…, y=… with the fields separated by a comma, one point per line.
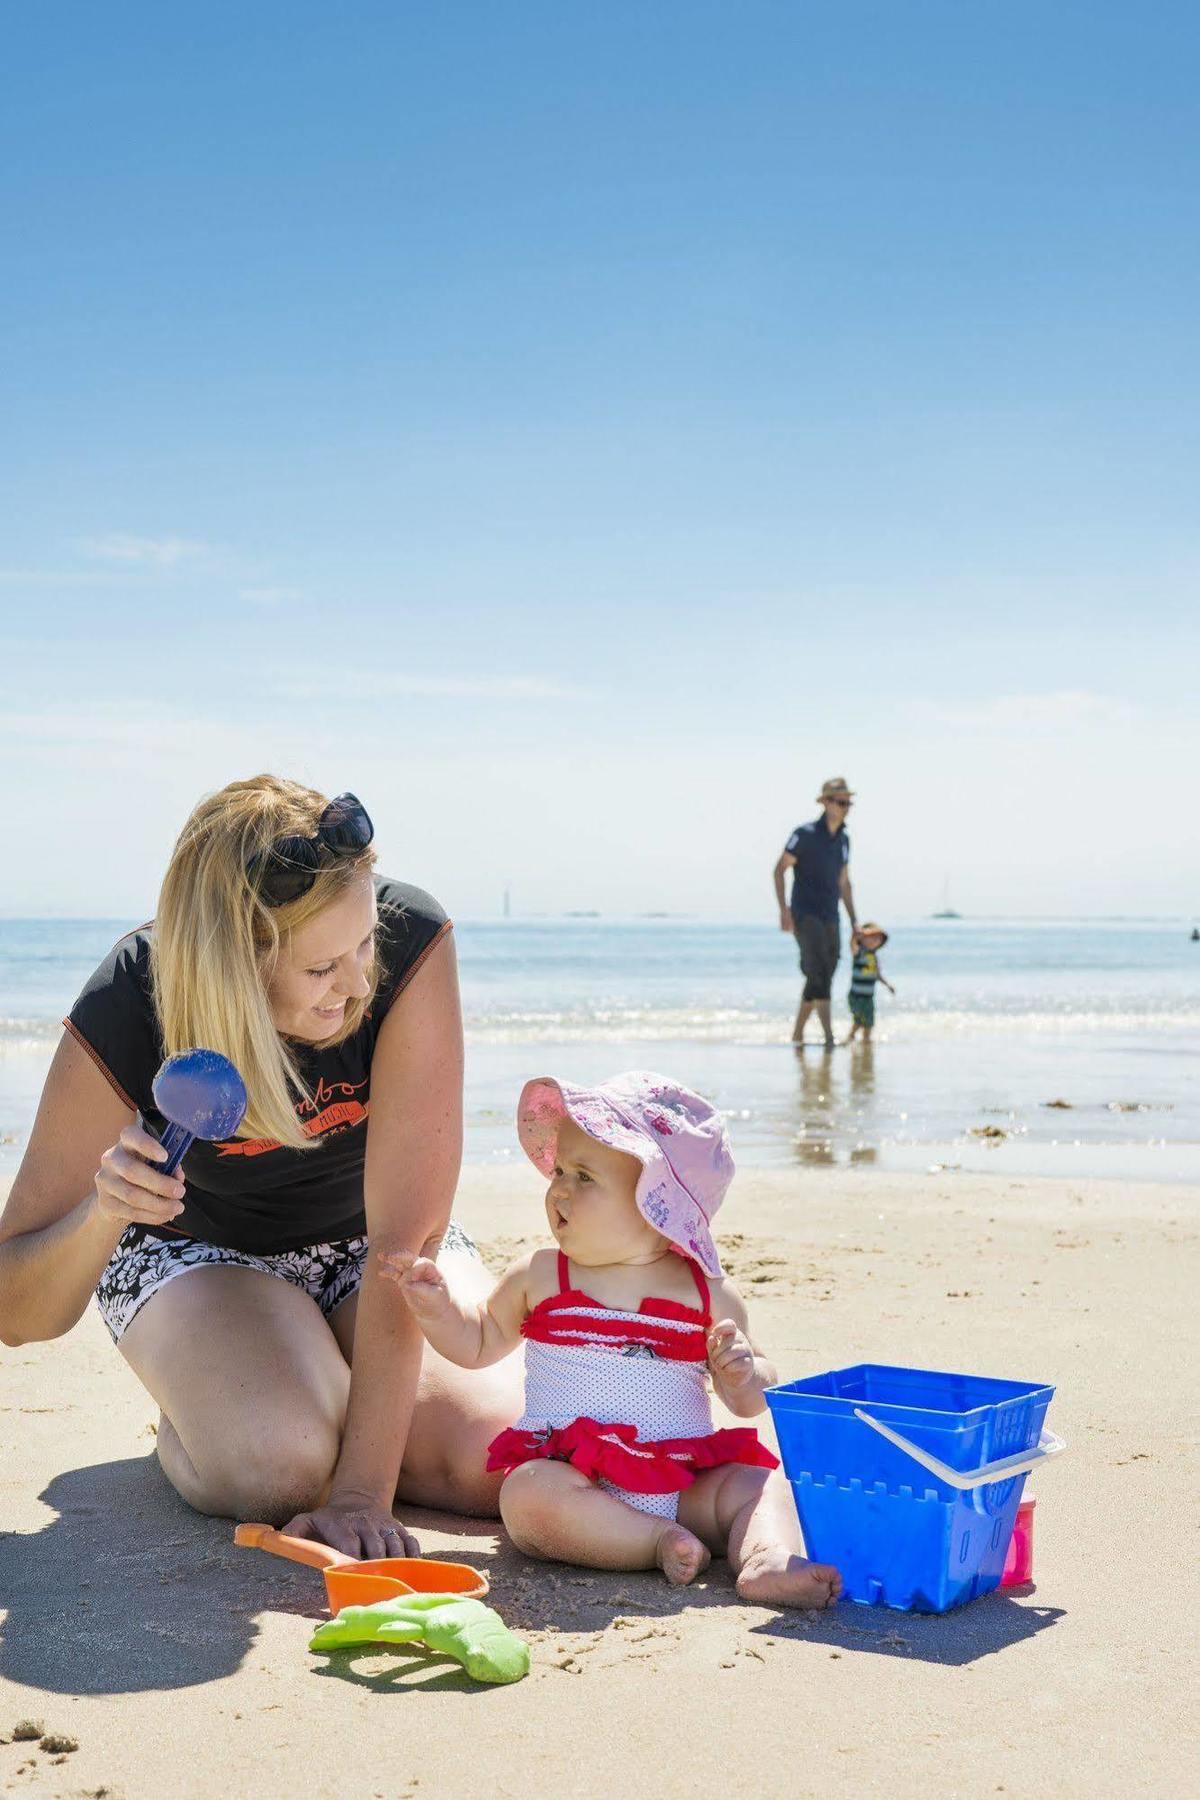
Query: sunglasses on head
x=289, y=868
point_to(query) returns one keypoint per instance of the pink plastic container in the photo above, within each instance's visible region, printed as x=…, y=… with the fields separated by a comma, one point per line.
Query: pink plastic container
x=1018, y=1567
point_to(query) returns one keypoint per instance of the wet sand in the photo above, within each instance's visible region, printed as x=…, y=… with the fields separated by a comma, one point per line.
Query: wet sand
x=180, y=1666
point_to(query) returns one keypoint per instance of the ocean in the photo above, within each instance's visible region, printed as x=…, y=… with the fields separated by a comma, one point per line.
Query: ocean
x=1029, y=1047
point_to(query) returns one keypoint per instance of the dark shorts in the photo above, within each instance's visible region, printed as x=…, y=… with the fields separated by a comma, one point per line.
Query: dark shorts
x=862, y=1009
x=820, y=942
x=145, y=1260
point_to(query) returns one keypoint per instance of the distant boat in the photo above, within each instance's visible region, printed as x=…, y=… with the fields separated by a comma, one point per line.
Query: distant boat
x=581, y=915
x=946, y=911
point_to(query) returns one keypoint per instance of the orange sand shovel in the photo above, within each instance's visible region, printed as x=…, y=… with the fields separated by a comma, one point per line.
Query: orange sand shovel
x=351, y=1583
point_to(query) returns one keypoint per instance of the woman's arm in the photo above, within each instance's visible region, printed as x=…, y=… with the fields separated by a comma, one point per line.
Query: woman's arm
x=473, y=1336
x=414, y=1149
x=82, y=1180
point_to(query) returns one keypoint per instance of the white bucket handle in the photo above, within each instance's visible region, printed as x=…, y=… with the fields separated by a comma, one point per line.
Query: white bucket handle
x=1047, y=1446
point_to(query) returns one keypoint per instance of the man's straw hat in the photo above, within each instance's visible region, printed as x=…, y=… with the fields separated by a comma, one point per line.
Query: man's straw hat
x=835, y=788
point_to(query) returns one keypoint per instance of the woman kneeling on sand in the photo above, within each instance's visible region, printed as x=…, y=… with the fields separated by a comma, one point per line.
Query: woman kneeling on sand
x=291, y=1379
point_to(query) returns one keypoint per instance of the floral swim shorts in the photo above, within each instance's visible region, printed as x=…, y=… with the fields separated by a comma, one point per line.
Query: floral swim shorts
x=145, y=1260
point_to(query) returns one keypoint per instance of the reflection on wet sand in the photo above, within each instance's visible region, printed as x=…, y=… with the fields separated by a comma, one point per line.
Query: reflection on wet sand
x=862, y=1068
x=832, y=1105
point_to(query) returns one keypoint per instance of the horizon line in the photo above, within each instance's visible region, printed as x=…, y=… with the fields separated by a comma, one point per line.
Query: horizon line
x=667, y=916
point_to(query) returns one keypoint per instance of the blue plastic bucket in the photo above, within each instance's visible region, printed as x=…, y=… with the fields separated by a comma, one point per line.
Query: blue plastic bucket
x=909, y=1479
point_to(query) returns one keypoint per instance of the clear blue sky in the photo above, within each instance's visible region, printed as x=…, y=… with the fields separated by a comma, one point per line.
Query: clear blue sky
x=580, y=429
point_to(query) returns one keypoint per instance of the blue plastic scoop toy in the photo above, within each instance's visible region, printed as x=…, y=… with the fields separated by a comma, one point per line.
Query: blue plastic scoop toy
x=201, y=1095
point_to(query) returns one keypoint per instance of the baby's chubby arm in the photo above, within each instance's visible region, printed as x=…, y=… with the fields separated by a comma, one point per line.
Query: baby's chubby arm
x=740, y=1372
x=470, y=1335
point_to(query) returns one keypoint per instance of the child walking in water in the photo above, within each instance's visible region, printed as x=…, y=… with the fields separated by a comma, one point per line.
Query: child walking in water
x=866, y=943
x=615, y=1462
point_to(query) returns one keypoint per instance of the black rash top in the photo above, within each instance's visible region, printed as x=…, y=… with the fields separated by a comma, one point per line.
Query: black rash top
x=256, y=1194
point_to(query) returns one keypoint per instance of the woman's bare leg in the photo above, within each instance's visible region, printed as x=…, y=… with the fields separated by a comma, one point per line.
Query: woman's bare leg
x=252, y=1387
x=553, y=1511
x=253, y=1384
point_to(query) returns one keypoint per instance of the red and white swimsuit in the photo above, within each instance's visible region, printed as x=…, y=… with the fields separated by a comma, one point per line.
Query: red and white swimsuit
x=623, y=1396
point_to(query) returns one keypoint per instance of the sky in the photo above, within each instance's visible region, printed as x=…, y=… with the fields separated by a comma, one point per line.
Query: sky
x=581, y=430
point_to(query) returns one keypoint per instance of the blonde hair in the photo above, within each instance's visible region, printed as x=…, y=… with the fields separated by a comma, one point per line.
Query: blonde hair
x=215, y=945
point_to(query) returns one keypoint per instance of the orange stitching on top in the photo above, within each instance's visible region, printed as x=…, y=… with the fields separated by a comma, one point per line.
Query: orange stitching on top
x=107, y=1073
x=431, y=945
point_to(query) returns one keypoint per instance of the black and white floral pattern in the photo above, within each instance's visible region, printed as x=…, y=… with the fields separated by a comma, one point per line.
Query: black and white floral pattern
x=145, y=1261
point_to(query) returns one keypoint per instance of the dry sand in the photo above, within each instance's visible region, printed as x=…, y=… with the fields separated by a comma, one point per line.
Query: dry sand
x=180, y=1665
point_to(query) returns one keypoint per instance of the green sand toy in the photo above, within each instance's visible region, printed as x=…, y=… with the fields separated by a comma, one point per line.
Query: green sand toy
x=467, y=1630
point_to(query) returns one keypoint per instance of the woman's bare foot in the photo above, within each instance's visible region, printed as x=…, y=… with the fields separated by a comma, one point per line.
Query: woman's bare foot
x=680, y=1555
x=775, y=1578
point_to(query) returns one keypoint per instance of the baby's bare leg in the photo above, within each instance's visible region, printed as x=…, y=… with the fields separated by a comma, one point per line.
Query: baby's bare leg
x=748, y=1515
x=551, y=1510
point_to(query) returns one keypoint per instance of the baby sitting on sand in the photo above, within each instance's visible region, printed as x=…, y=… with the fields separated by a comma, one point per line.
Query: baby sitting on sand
x=615, y=1462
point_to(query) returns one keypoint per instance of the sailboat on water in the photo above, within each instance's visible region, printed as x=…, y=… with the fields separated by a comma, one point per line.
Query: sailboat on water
x=946, y=911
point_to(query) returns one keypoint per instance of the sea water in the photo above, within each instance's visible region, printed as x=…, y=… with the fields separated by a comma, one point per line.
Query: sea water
x=993, y=1020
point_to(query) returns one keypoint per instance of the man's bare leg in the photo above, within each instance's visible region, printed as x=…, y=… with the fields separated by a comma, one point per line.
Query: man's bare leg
x=824, y=1014
x=806, y=1007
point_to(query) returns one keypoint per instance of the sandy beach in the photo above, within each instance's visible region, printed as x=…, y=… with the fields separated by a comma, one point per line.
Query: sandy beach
x=180, y=1665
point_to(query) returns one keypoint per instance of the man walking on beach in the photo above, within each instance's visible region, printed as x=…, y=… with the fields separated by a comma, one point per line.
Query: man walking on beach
x=818, y=855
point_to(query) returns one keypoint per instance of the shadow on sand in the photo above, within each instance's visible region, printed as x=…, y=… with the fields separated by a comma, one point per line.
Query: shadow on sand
x=129, y=1591
x=541, y=1596
x=953, y=1639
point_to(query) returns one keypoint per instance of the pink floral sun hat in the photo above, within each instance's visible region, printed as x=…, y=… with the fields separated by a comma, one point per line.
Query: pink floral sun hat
x=678, y=1138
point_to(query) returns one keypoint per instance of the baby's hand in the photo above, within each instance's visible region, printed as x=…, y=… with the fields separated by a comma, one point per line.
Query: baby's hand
x=420, y=1281
x=729, y=1354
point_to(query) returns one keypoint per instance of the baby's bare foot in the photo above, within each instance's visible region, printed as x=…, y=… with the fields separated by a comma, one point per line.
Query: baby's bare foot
x=681, y=1556
x=773, y=1578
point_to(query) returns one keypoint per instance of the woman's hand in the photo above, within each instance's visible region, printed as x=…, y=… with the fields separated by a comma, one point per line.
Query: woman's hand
x=421, y=1282
x=357, y=1526
x=730, y=1356
x=129, y=1189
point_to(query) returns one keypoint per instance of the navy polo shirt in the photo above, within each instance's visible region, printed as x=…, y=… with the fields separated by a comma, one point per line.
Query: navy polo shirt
x=820, y=855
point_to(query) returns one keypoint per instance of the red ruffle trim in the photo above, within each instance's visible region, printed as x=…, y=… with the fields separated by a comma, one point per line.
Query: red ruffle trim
x=614, y=1452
